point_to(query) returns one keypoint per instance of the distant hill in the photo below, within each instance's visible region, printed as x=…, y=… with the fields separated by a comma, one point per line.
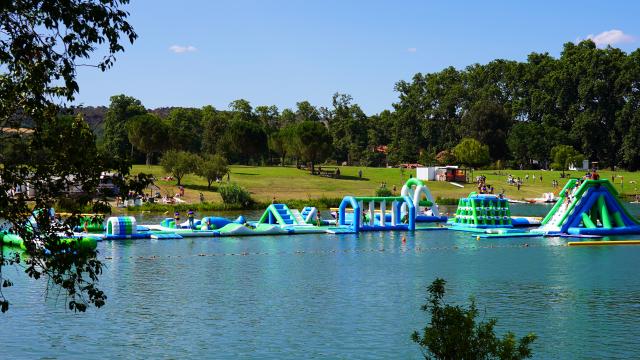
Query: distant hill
x=163, y=112
x=94, y=116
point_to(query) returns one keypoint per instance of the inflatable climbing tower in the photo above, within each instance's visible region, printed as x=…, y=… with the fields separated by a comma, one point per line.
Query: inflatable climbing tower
x=482, y=211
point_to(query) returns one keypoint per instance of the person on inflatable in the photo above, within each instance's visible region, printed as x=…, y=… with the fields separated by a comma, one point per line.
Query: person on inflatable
x=191, y=216
x=176, y=218
x=205, y=225
x=365, y=217
x=405, y=219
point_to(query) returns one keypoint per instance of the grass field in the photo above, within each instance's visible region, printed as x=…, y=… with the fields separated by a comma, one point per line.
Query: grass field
x=288, y=183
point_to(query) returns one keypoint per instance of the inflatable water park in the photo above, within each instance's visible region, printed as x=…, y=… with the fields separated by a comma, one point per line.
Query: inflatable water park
x=584, y=208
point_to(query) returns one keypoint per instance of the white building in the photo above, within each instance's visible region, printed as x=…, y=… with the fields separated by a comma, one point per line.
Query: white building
x=585, y=166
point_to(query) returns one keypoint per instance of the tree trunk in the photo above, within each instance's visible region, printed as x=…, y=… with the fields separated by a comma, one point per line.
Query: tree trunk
x=312, y=170
x=148, y=159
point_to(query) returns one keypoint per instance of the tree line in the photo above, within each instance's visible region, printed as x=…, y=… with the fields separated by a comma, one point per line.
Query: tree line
x=587, y=99
x=243, y=134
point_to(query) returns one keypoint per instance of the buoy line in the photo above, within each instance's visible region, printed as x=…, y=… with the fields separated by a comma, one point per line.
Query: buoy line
x=336, y=251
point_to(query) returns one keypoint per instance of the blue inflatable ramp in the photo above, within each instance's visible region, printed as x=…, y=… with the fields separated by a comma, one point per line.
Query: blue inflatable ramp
x=279, y=214
x=165, y=236
x=340, y=230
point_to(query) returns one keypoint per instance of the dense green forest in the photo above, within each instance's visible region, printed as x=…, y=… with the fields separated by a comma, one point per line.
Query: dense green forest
x=588, y=99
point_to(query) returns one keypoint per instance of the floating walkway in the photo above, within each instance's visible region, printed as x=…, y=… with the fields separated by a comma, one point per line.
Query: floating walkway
x=15, y=241
x=603, y=243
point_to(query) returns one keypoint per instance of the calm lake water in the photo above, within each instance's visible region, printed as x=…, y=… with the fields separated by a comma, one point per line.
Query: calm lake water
x=331, y=296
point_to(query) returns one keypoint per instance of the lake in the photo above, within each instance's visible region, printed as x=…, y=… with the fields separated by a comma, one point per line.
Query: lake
x=331, y=296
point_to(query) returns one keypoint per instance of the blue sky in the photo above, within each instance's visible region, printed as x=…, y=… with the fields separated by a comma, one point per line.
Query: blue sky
x=199, y=52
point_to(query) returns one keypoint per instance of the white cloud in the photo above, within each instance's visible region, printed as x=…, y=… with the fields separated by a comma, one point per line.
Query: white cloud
x=412, y=49
x=179, y=49
x=611, y=37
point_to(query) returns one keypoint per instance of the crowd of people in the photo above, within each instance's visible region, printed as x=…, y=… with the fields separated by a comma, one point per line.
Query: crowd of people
x=511, y=180
x=483, y=187
x=132, y=198
x=517, y=181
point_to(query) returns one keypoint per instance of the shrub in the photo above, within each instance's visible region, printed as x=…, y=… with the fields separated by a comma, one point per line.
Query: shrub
x=383, y=191
x=446, y=201
x=235, y=194
x=454, y=333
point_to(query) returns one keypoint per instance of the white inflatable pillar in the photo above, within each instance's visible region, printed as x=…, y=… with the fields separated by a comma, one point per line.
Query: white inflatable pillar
x=372, y=212
x=383, y=214
x=394, y=206
x=403, y=209
x=361, y=213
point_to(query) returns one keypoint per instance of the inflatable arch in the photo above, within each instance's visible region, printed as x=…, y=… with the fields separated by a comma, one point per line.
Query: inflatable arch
x=414, y=189
x=375, y=217
x=122, y=225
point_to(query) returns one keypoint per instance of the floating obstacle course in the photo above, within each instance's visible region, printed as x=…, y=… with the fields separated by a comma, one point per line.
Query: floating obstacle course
x=277, y=219
x=482, y=211
x=374, y=217
x=589, y=208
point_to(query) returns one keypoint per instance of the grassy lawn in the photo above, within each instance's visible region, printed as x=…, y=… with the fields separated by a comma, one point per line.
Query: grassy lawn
x=287, y=183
